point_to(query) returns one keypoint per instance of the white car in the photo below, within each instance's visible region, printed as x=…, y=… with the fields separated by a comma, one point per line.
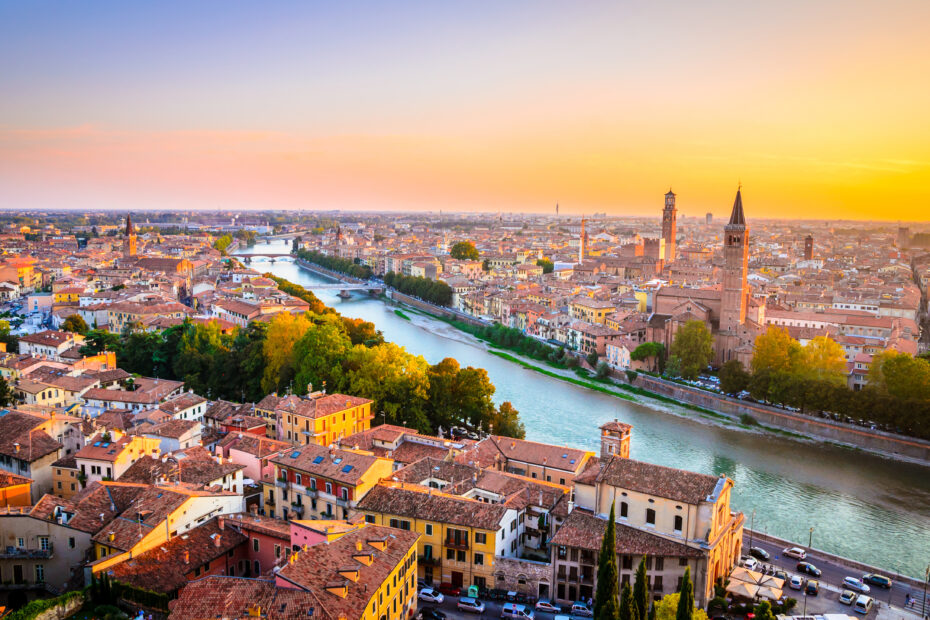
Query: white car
x=796, y=582
x=471, y=605
x=431, y=596
x=749, y=563
x=795, y=552
x=855, y=584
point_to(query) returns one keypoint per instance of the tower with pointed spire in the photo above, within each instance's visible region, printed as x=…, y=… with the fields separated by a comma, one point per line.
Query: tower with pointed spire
x=129, y=240
x=735, y=295
x=669, y=226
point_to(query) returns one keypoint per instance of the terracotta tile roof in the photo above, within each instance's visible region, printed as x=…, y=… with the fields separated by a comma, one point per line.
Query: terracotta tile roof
x=197, y=467
x=583, y=530
x=222, y=409
x=253, y=444
x=17, y=427
x=339, y=465
x=242, y=521
x=319, y=567
x=173, y=428
x=233, y=597
x=8, y=480
x=50, y=338
x=92, y=508
x=676, y=484
x=164, y=568
x=499, y=450
x=181, y=402
x=154, y=504
x=430, y=505
x=98, y=448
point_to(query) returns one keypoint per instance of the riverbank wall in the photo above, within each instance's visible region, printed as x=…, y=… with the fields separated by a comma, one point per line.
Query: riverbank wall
x=329, y=273
x=434, y=309
x=853, y=565
x=879, y=442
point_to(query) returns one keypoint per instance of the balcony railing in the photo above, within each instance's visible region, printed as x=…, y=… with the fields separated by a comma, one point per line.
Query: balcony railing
x=26, y=553
x=298, y=508
x=422, y=560
x=456, y=543
x=280, y=483
x=270, y=500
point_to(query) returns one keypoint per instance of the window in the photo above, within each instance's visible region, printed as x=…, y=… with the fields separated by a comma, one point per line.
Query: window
x=297, y=479
x=678, y=523
x=254, y=544
x=277, y=551
x=481, y=538
x=257, y=567
x=21, y=542
x=40, y=573
x=628, y=562
x=624, y=508
x=660, y=563
x=513, y=525
x=429, y=529
x=329, y=488
x=345, y=494
x=657, y=583
x=479, y=559
x=43, y=543
x=650, y=516
x=369, y=518
x=460, y=556
x=450, y=554
x=682, y=561
x=71, y=542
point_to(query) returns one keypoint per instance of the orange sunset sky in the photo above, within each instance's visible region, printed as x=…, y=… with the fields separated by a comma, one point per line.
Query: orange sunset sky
x=821, y=109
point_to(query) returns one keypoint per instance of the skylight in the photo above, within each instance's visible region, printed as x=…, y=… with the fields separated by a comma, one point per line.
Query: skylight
x=346, y=469
x=318, y=460
x=294, y=455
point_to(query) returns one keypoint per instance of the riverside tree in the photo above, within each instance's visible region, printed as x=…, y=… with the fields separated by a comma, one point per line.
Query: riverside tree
x=694, y=346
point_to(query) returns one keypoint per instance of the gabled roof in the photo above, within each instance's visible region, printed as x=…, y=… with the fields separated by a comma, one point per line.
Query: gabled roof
x=234, y=597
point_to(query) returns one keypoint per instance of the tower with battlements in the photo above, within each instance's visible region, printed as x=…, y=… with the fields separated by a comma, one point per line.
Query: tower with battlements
x=669, y=226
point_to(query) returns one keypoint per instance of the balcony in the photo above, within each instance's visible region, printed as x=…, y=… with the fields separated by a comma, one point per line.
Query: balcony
x=270, y=500
x=297, y=508
x=24, y=553
x=422, y=560
x=456, y=543
x=280, y=483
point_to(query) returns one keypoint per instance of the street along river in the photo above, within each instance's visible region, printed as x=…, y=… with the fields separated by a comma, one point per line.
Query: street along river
x=861, y=506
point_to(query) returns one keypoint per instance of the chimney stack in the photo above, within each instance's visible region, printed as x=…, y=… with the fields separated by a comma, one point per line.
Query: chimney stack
x=187, y=557
x=221, y=522
x=218, y=540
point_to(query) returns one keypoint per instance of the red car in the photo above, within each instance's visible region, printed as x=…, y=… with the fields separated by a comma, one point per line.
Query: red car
x=449, y=590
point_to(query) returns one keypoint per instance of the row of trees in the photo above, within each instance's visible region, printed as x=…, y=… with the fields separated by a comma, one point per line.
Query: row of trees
x=334, y=263
x=426, y=289
x=222, y=243
x=292, y=352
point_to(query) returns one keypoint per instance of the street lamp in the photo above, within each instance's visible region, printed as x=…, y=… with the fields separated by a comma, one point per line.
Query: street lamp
x=810, y=540
x=752, y=527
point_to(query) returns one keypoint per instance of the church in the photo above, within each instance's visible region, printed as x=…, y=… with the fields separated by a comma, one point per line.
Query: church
x=728, y=309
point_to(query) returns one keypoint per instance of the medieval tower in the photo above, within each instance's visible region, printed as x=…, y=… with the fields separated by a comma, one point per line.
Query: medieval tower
x=669, y=226
x=735, y=297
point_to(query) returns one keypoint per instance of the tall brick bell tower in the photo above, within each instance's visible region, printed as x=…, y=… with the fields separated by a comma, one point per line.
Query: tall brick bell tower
x=735, y=298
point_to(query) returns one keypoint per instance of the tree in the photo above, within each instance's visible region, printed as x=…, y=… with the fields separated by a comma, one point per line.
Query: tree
x=900, y=375
x=667, y=608
x=764, y=611
x=775, y=350
x=685, y=609
x=824, y=360
x=486, y=265
x=641, y=589
x=652, y=351
x=628, y=608
x=603, y=371
x=464, y=250
x=733, y=378
x=75, y=324
x=222, y=243
x=506, y=421
x=6, y=396
x=546, y=264
x=11, y=341
x=694, y=345
x=592, y=358
x=606, y=598
x=673, y=367
x=283, y=331
x=319, y=354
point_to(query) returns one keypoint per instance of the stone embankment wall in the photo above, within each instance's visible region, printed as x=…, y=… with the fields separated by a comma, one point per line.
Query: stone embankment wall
x=434, y=309
x=887, y=444
x=329, y=273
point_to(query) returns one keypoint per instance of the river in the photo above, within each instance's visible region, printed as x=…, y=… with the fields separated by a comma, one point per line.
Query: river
x=861, y=506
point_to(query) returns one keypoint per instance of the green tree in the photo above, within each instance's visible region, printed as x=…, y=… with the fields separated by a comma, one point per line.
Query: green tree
x=6, y=395
x=667, y=608
x=592, y=358
x=222, y=243
x=775, y=350
x=641, y=589
x=653, y=352
x=319, y=354
x=628, y=608
x=602, y=372
x=464, y=250
x=673, y=367
x=824, y=360
x=606, y=598
x=764, y=611
x=733, y=378
x=99, y=340
x=74, y=323
x=505, y=420
x=546, y=264
x=694, y=345
x=685, y=609
x=900, y=375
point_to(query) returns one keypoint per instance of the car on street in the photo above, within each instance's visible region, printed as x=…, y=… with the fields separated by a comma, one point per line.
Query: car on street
x=809, y=569
x=515, y=610
x=749, y=563
x=855, y=584
x=430, y=613
x=812, y=588
x=863, y=604
x=877, y=580
x=545, y=604
x=847, y=597
x=470, y=605
x=580, y=609
x=796, y=582
x=780, y=574
x=431, y=596
x=795, y=552
x=450, y=590
x=759, y=553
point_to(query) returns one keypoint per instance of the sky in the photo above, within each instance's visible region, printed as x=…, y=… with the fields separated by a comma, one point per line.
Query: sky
x=820, y=109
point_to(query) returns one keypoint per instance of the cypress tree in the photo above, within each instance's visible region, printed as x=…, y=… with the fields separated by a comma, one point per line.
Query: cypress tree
x=606, y=599
x=628, y=610
x=641, y=589
x=686, y=601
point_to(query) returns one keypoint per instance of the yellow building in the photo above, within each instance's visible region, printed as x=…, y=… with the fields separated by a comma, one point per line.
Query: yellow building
x=65, y=477
x=70, y=295
x=106, y=456
x=459, y=537
x=317, y=418
x=591, y=310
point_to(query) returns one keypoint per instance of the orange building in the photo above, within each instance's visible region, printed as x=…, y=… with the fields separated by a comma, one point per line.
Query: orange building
x=15, y=490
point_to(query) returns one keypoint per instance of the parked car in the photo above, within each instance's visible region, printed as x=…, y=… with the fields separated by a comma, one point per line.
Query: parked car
x=580, y=609
x=780, y=574
x=430, y=613
x=812, y=588
x=760, y=554
x=808, y=568
x=471, y=605
x=431, y=596
x=795, y=552
x=450, y=590
x=545, y=604
x=515, y=610
x=863, y=604
x=877, y=580
x=855, y=584
x=749, y=563
x=796, y=582
x=847, y=597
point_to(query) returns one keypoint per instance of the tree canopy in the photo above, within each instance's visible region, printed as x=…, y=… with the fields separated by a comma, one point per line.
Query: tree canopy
x=464, y=250
x=74, y=323
x=694, y=346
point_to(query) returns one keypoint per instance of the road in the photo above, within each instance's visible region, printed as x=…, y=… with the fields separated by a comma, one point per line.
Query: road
x=831, y=580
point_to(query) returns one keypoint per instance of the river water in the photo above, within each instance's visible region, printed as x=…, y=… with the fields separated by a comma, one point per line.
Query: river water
x=861, y=506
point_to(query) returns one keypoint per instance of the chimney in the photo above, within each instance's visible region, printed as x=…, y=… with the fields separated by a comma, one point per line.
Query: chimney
x=221, y=522
x=16, y=446
x=218, y=540
x=187, y=557
x=358, y=545
x=111, y=537
x=254, y=510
